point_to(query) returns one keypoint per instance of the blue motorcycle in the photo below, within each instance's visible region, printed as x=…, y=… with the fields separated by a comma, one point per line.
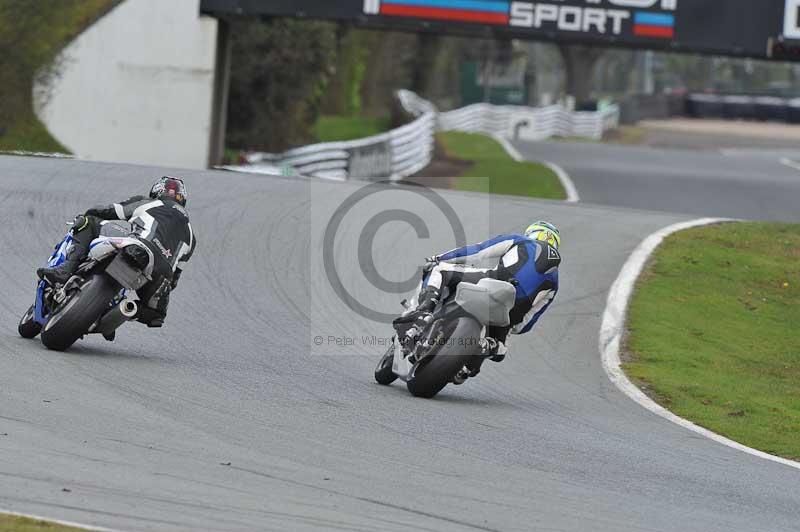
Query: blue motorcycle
x=95, y=299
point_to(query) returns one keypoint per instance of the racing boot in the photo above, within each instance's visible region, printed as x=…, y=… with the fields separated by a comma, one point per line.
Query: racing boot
x=492, y=349
x=150, y=317
x=155, y=297
x=76, y=254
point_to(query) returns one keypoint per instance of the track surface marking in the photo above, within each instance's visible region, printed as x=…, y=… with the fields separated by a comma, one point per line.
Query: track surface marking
x=748, y=186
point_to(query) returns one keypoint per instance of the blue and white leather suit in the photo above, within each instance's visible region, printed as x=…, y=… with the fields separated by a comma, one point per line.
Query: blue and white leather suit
x=531, y=265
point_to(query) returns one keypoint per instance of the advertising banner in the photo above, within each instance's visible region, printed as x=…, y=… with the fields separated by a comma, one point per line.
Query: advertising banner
x=754, y=28
x=374, y=160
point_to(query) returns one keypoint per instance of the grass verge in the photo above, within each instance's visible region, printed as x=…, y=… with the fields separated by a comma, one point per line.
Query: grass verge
x=334, y=128
x=505, y=175
x=31, y=37
x=713, y=332
x=12, y=523
x=28, y=134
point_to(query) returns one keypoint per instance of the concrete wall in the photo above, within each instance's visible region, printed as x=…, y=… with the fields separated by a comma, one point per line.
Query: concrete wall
x=138, y=86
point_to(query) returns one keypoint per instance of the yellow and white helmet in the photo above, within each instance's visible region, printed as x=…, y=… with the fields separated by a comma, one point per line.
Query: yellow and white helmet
x=544, y=232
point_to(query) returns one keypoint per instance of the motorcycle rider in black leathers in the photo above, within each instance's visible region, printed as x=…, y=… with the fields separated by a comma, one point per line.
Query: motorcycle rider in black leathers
x=161, y=223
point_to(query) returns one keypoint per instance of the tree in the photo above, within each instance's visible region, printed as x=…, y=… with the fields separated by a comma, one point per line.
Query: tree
x=579, y=64
x=276, y=90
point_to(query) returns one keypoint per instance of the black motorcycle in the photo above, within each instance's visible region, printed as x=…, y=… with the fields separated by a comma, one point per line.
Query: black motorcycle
x=455, y=335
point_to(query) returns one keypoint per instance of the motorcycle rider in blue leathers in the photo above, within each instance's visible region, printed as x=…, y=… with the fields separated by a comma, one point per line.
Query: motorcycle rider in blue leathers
x=529, y=261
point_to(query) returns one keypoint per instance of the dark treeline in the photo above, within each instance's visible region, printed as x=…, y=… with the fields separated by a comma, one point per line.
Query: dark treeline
x=286, y=72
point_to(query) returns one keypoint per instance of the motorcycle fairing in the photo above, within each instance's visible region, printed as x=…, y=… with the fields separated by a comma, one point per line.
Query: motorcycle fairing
x=57, y=258
x=401, y=366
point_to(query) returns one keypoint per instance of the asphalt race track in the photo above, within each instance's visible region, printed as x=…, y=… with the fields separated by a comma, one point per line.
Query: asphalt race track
x=231, y=418
x=752, y=185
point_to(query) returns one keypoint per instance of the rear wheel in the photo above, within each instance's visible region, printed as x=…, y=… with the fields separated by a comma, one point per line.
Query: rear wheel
x=73, y=318
x=28, y=327
x=383, y=373
x=456, y=349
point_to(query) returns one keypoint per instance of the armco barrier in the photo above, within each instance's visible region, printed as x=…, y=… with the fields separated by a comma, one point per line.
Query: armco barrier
x=408, y=149
x=529, y=123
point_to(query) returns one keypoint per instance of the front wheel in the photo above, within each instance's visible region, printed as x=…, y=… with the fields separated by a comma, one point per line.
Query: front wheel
x=28, y=327
x=74, y=317
x=383, y=373
x=455, y=350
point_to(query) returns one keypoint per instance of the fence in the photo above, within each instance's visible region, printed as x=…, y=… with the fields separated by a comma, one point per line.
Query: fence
x=408, y=149
x=529, y=123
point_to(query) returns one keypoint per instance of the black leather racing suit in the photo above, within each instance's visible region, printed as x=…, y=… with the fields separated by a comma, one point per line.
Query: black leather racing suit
x=163, y=225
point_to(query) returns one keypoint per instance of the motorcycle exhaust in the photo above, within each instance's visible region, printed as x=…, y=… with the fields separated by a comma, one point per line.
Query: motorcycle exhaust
x=114, y=318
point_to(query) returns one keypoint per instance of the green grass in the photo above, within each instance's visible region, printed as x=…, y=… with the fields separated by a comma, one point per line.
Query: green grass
x=505, y=176
x=29, y=134
x=31, y=37
x=333, y=128
x=10, y=523
x=714, y=332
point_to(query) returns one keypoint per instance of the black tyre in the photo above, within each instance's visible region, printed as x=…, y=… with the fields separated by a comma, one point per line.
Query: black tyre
x=383, y=373
x=456, y=350
x=74, y=317
x=28, y=328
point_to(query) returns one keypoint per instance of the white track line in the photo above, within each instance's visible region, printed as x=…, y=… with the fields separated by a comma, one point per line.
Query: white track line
x=613, y=326
x=790, y=163
x=510, y=149
x=56, y=521
x=563, y=176
x=37, y=154
x=566, y=182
